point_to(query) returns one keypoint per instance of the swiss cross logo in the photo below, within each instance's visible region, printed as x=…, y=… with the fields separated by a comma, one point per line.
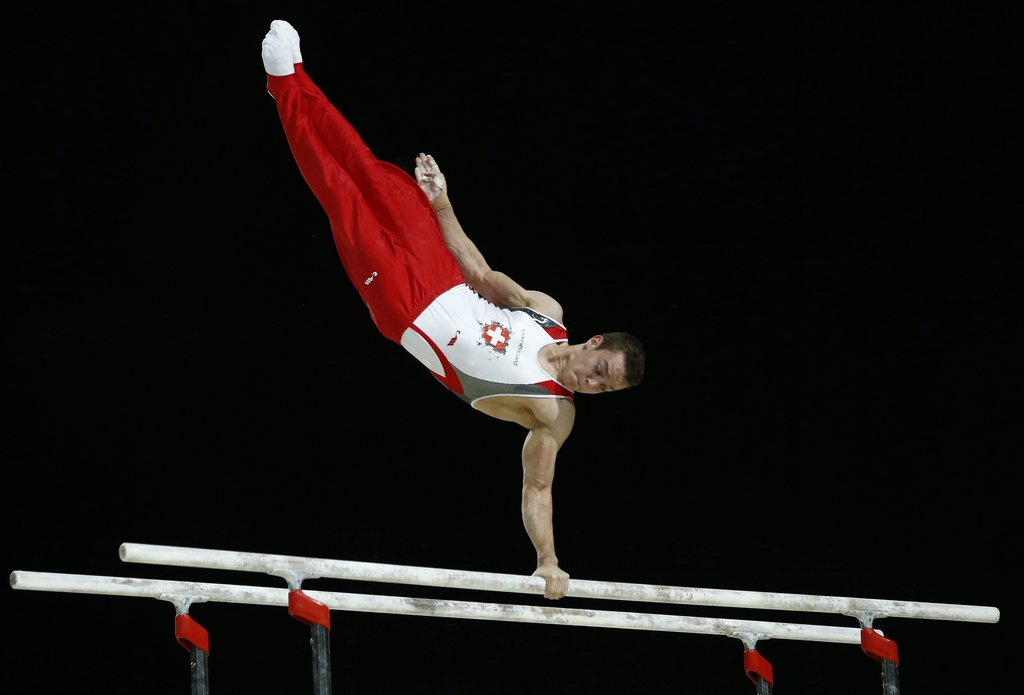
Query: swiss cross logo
x=495, y=336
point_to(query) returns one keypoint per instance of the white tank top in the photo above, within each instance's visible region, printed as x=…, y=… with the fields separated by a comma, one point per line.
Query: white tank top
x=480, y=350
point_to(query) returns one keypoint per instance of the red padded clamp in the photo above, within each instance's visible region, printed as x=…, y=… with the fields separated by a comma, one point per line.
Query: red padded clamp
x=756, y=665
x=308, y=610
x=191, y=634
x=878, y=647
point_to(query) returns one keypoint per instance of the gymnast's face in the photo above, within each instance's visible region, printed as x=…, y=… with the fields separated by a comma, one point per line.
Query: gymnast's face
x=594, y=370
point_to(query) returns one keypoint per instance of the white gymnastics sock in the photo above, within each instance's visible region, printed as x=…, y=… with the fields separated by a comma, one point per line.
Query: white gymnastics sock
x=291, y=37
x=277, y=54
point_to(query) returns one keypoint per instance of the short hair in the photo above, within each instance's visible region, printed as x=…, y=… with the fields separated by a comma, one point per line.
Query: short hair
x=633, y=352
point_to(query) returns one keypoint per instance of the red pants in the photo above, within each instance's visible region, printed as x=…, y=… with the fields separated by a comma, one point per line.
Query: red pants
x=385, y=229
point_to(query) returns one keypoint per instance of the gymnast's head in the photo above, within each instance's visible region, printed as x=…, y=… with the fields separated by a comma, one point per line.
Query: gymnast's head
x=606, y=363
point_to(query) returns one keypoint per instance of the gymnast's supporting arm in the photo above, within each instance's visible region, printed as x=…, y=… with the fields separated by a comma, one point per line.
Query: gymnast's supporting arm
x=539, y=452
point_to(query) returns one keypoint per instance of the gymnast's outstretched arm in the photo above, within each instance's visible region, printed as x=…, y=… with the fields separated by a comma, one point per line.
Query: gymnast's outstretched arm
x=493, y=285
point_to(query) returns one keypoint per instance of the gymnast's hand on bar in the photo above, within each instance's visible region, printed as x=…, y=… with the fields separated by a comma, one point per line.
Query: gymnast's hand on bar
x=556, y=578
x=431, y=180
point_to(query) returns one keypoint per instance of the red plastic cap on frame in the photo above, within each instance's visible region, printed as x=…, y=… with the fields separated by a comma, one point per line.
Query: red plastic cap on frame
x=756, y=665
x=878, y=647
x=191, y=634
x=308, y=610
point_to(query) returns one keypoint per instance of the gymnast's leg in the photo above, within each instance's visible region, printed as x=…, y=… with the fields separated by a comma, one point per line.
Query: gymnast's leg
x=389, y=192
x=326, y=175
x=385, y=229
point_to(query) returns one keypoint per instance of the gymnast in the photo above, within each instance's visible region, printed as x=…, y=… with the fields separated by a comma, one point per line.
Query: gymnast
x=501, y=348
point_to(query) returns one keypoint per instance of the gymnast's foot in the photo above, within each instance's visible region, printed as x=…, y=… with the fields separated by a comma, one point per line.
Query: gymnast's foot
x=287, y=32
x=281, y=49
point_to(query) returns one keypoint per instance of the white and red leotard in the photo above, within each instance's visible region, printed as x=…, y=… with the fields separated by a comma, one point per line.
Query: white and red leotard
x=480, y=350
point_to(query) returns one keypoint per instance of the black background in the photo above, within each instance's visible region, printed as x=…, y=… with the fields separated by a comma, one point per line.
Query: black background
x=811, y=217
